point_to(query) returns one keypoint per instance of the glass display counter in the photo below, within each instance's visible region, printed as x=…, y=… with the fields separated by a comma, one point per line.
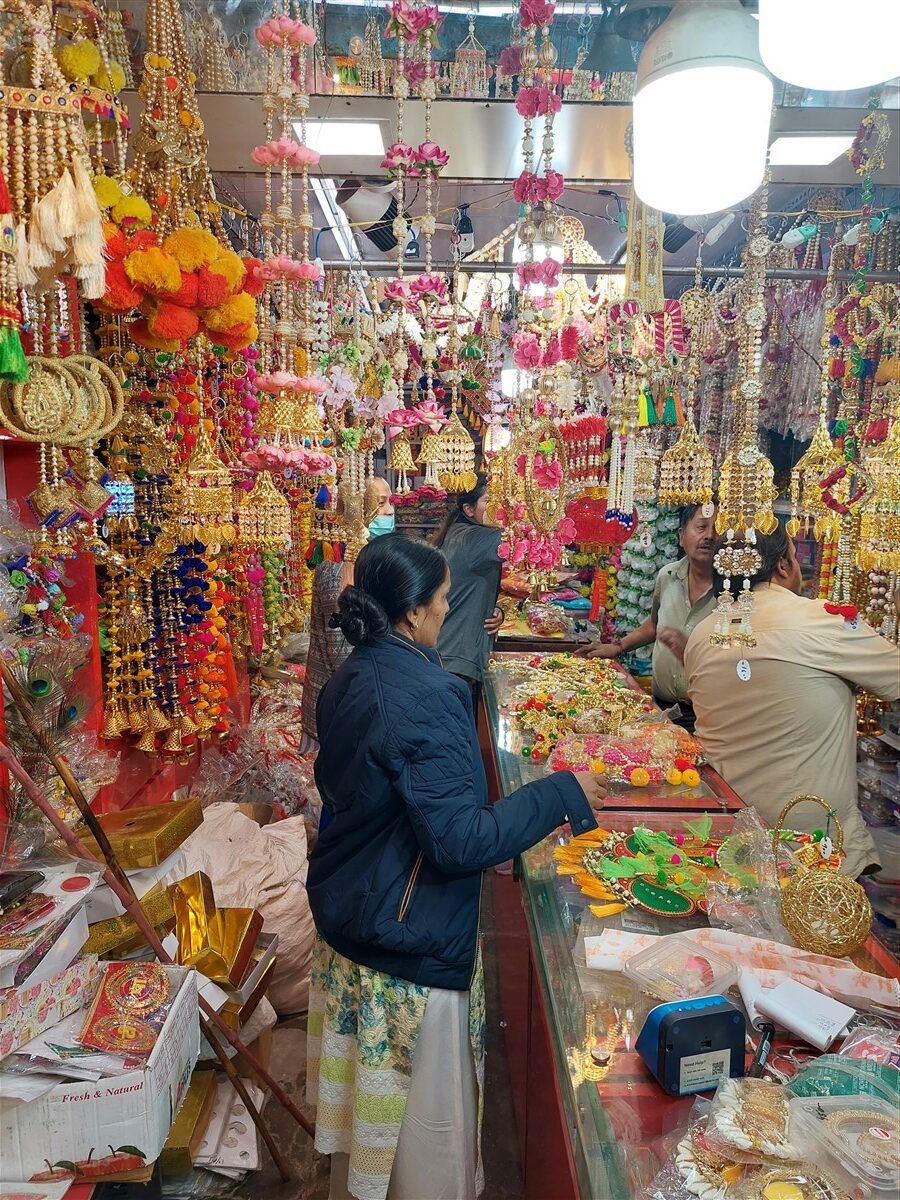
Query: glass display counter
x=504, y=742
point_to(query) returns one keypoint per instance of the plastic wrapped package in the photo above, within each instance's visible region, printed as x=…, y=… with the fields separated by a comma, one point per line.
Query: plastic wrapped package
x=835, y=1075
x=677, y=968
x=788, y=1183
x=874, y=1043
x=548, y=620
x=640, y=752
x=748, y=1118
x=744, y=895
x=694, y=1169
x=855, y=1140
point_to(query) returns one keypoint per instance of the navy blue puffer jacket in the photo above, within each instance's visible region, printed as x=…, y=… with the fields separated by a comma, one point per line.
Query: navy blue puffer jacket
x=395, y=880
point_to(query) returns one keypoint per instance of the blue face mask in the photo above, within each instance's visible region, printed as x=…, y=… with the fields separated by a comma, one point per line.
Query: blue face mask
x=381, y=525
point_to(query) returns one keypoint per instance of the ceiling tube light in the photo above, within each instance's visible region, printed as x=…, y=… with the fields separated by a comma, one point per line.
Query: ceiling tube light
x=702, y=109
x=815, y=43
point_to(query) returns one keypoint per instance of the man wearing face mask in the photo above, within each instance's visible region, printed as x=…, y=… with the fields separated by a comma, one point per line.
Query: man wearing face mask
x=327, y=645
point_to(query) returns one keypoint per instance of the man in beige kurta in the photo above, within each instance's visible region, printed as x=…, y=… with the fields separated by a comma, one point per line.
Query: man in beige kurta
x=790, y=729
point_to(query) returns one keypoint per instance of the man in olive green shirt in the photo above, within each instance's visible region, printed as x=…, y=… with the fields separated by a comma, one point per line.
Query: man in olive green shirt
x=683, y=596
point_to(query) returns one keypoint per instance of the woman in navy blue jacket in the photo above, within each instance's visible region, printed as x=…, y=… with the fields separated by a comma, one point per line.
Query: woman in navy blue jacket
x=396, y=1023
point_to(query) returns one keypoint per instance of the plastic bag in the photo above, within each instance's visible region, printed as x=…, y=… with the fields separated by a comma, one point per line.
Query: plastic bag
x=748, y=1119
x=760, y=1183
x=744, y=895
x=693, y=1169
x=873, y=1043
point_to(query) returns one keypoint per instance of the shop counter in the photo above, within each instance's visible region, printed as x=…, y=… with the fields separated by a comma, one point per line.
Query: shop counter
x=503, y=743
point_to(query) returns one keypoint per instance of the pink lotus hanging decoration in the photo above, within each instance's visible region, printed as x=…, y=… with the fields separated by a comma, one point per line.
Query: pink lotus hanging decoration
x=429, y=286
x=285, y=31
x=278, y=381
x=312, y=385
x=271, y=457
x=291, y=269
x=537, y=101
x=416, y=72
x=413, y=24
x=429, y=414
x=527, y=352
x=531, y=189
x=285, y=152
x=535, y=12
x=400, y=157
x=431, y=158
x=399, y=419
x=542, y=274
x=398, y=290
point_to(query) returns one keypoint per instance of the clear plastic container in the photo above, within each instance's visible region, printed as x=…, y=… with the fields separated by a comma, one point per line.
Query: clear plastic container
x=678, y=968
x=856, y=1139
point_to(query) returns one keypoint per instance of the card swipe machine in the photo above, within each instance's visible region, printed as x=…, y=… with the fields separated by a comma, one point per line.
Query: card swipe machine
x=692, y=1045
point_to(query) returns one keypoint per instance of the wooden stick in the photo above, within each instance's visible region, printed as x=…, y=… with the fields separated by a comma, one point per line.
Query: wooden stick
x=126, y=898
x=25, y=707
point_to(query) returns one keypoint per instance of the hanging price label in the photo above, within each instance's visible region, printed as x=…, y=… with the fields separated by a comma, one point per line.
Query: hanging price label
x=707, y=510
x=646, y=539
x=743, y=670
x=853, y=624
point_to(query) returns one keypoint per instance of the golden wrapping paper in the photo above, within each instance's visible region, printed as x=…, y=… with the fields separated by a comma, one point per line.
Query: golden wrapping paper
x=219, y=942
x=190, y=1125
x=145, y=837
x=235, y=1014
x=121, y=934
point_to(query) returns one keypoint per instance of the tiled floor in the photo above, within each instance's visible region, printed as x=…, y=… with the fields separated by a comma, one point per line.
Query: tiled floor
x=500, y=1148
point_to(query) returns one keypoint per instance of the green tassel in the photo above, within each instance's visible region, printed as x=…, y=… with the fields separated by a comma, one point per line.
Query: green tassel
x=670, y=413
x=13, y=363
x=652, y=416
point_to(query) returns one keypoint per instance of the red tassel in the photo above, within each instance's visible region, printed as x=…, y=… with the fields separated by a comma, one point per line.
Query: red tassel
x=568, y=339
x=5, y=198
x=877, y=431
x=838, y=368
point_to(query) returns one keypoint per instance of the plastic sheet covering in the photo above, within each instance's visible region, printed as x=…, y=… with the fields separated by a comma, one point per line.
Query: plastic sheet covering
x=263, y=868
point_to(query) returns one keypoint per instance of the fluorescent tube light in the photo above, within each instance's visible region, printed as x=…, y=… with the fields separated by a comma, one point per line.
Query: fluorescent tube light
x=364, y=138
x=808, y=150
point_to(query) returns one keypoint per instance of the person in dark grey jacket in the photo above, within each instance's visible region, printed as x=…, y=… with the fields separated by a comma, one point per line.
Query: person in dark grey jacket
x=470, y=548
x=395, y=880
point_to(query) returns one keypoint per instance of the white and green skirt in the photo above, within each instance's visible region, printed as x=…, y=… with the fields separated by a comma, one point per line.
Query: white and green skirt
x=395, y=1073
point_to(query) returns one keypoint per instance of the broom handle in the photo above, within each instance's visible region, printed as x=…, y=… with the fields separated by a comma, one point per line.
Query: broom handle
x=127, y=899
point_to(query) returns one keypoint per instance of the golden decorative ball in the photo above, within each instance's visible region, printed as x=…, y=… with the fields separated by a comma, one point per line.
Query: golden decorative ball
x=826, y=912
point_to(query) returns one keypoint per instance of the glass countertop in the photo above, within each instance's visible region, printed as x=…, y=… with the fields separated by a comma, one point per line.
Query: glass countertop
x=618, y=1117
x=515, y=770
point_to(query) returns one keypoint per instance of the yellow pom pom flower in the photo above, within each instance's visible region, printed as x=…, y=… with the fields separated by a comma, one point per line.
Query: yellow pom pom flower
x=154, y=269
x=639, y=777
x=598, y=766
x=192, y=248
x=230, y=266
x=107, y=191
x=134, y=209
x=239, y=310
x=691, y=778
x=112, y=80
x=78, y=60
x=674, y=777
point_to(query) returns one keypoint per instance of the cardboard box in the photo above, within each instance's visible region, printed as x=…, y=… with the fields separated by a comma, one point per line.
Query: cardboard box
x=145, y=837
x=104, y=905
x=35, y=953
x=27, y=1011
x=78, y=1121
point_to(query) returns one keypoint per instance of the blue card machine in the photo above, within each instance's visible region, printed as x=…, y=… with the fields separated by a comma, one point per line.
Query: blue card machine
x=692, y=1045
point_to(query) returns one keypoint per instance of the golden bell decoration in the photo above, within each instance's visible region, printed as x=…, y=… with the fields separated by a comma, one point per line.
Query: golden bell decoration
x=429, y=457
x=402, y=461
x=878, y=548
x=264, y=515
x=686, y=470
x=824, y=911
x=747, y=491
x=808, y=511
x=456, y=467
x=207, y=497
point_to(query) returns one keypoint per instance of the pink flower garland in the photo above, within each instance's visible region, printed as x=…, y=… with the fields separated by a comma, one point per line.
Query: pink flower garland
x=285, y=31
x=544, y=273
x=411, y=23
x=537, y=101
x=531, y=189
x=284, y=151
x=535, y=12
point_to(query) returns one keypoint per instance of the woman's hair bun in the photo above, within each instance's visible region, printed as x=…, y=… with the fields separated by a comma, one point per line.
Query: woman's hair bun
x=360, y=617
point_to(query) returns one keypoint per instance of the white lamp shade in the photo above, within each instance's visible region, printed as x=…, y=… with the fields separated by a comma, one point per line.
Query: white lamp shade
x=831, y=45
x=702, y=110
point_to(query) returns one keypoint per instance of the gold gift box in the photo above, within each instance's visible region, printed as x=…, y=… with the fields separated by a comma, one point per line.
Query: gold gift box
x=145, y=837
x=235, y=1014
x=219, y=942
x=189, y=1128
x=121, y=934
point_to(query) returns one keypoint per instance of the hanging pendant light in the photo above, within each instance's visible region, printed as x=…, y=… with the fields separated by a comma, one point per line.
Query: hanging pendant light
x=702, y=110
x=811, y=43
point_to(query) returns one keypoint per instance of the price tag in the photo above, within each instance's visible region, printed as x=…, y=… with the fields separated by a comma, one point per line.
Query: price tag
x=646, y=539
x=853, y=624
x=743, y=670
x=707, y=510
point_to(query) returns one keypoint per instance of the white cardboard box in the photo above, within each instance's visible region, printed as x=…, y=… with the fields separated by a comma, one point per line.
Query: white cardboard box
x=135, y=1109
x=103, y=904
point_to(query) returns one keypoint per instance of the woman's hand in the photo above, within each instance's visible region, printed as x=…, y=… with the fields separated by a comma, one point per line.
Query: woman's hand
x=593, y=787
x=494, y=622
x=600, y=650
